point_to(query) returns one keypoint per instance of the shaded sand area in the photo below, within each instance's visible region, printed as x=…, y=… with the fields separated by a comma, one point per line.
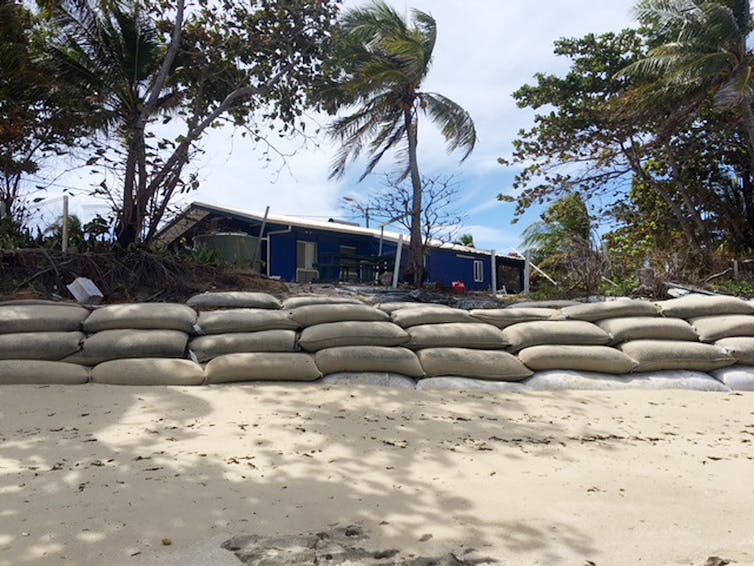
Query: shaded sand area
x=99, y=474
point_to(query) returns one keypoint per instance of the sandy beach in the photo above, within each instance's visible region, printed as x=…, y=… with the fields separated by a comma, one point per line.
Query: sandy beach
x=163, y=475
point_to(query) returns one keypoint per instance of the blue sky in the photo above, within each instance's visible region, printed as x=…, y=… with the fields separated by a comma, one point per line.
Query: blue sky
x=486, y=49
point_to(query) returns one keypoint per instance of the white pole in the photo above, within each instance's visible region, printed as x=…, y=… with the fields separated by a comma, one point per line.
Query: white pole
x=396, y=269
x=257, y=250
x=527, y=271
x=64, y=245
x=493, y=261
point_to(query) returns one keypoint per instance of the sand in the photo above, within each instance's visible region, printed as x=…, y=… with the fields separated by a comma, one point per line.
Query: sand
x=114, y=475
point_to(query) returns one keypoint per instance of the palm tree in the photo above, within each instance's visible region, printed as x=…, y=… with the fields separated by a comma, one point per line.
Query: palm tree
x=382, y=61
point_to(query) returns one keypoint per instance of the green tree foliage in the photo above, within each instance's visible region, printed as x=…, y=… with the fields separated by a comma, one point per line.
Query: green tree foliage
x=466, y=240
x=381, y=62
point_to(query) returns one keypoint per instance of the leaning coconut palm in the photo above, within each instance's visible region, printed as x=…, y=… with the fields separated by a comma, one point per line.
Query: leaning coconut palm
x=381, y=62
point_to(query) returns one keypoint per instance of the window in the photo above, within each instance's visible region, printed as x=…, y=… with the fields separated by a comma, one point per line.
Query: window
x=478, y=271
x=306, y=254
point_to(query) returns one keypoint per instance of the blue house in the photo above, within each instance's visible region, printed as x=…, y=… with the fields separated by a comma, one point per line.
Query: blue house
x=296, y=249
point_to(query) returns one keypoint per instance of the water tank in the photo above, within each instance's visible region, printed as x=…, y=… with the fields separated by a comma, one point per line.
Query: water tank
x=236, y=248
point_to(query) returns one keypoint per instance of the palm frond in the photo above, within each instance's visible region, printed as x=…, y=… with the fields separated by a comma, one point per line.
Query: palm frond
x=454, y=121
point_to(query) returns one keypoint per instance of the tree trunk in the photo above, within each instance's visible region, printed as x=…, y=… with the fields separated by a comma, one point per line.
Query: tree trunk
x=416, y=245
x=747, y=187
x=125, y=232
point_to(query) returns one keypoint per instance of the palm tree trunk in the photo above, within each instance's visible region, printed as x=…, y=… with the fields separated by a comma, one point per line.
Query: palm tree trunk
x=747, y=188
x=416, y=246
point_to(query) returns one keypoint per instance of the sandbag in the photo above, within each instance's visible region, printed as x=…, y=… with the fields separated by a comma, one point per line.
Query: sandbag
x=741, y=348
x=711, y=328
x=481, y=364
x=503, y=318
x=51, y=346
x=601, y=359
x=120, y=344
x=467, y=384
x=368, y=359
x=578, y=332
x=233, y=299
x=391, y=307
x=557, y=380
x=42, y=372
x=305, y=300
x=262, y=367
x=554, y=304
x=593, y=312
x=310, y=315
x=457, y=334
x=244, y=320
x=692, y=306
x=653, y=355
x=738, y=378
x=207, y=347
x=143, y=316
x=390, y=380
x=41, y=318
x=647, y=328
x=148, y=371
x=415, y=316
x=352, y=333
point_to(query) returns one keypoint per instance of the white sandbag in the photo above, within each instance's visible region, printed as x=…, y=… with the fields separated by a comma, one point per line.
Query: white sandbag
x=593, y=312
x=554, y=304
x=391, y=307
x=741, y=348
x=467, y=384
x=262, y=367
x=558, y=380
x=368, y=359
x=600, y=359
x=41, y=318
x=503, y=318
x=653, y=355
x=712, y=328
x=389, y=380
x=233, y=299
x=148, y=371
x=310, y=315
x=42, y=372
x=51, y=346
x=17, y=302
x=129, y=343
x=144, y=316
x=480, y=364
x=416, y=316
x=352, y=333
x=578, y=332
x=305, y=300
x=244, y=320
x=457, y=334
x=692, y=306
x=207, y=347
x=647, y=328
x=738, y=378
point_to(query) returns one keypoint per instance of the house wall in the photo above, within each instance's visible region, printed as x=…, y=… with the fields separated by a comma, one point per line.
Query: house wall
x=446, y=266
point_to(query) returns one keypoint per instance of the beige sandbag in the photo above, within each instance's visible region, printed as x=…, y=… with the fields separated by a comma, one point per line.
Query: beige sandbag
x=456, y=335
x=503, y=318
x=41, y=318
x=130, y=343
x=394, y=306
x=148, y=371
x=416, y=316
x=553, y=304
x=144, y=316
x=655, y=355
x=262, y=367
x=480, y=364
x=647, y=327
x=233, y=299
x=368, y=359
x=610, y=309
x=310, y=315
x=602, y=359
x=244, y=320
x=214, y=345
x=741, y=348
x=352, y=333
x=43, y=372
x=711, y=328
x=692, y=306
x=579, y=332
x=305, y=300
x=51, y=346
